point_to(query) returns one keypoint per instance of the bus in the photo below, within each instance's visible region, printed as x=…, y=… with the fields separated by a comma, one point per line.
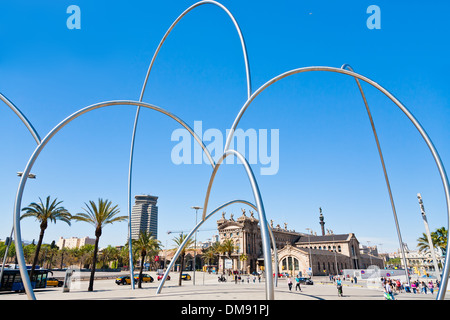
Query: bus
x=12, y=281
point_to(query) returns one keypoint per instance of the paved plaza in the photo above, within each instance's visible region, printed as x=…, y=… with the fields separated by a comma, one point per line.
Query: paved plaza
x=208, y=288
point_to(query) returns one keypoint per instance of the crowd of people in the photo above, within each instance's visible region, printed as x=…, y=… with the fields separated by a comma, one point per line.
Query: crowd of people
x=392, y=286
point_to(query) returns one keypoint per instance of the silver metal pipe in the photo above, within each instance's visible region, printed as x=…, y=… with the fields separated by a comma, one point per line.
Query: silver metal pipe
x=388, y=185
x=262, y=216
x=34, y=156
x=426, y=138
x=36, y=137
x=22, y=117
x=178, y=252
x=133, y=136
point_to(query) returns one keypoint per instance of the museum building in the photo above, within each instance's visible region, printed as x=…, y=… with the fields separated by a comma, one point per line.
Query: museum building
x=308, y=254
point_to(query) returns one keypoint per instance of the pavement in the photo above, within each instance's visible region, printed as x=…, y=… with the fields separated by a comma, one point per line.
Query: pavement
x=207, y=287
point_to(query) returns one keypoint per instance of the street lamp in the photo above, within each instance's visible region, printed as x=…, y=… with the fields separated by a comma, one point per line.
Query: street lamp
x=430, y=242
x=30, y=175
x=309, y=246
x=196, y=208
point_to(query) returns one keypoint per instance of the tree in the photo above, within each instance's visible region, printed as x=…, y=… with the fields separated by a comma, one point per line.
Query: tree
x=178, y=241
x=52, y=211
x=98, y=215
x=226, y=247
x=438, y=240
x=147, y=245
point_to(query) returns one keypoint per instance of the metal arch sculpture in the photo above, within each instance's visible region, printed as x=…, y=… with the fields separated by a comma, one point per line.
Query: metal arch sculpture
x=386, y=178
x=265, y=231
x=37, y=138
x=22, y=117
x=133, y=136
x=410, y=116
x=37, y=151
x=265, y=235
x=178, y=252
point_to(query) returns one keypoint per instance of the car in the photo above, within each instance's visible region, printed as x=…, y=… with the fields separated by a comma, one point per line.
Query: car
x=279, y=275
x=306, y=281
x=285, y=274
x=124, y=280
x=53, y=282
x=145, y=278
x=160, y=276
x=185, y=276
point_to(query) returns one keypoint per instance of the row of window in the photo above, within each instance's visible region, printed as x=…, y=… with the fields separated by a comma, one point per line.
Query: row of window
x=329, y=248
x=292, y=263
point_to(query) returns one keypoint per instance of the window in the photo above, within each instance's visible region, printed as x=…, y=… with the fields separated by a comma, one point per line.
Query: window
x=296, y=267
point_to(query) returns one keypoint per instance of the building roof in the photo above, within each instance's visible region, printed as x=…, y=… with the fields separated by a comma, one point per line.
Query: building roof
x=305, y=239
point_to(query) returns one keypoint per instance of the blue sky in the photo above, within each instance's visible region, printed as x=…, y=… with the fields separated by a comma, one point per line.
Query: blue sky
x=328, y=156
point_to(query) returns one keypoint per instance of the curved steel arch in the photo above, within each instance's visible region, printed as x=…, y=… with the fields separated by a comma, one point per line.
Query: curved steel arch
x=22, y=117
x=426, y=138
x=37, y=151
x=178, y=252
x=386, y=178
x=260, y=209
x=36, y=137
x=247, y=69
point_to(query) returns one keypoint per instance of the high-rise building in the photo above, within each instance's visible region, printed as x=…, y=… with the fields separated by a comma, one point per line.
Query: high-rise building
x=144, y=216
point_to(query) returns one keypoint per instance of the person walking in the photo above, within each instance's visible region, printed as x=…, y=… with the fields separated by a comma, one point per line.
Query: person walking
x=297, y=283
x=289, y=282
x=339, y=287
x=431, y=286
x=424, y=287
x=388, y=295
x=414, y=287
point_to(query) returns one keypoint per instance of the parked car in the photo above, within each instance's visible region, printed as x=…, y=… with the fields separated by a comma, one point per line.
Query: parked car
x=285, y=274
x=306, y=281
x=185, y=276
x=124, y=280
x=160, y=276
x=145, y=278
x=279, y=275
x=53, y=282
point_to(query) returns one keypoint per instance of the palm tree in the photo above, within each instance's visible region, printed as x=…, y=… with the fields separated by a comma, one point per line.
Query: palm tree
x=438, y=239
x=98, y=215
x=146, y=244
x=43, y=213
x=226, y=247
x=178, y=241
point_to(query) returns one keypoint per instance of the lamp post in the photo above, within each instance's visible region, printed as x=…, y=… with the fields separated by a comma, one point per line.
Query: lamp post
x=430, y=242
x=309, y=247
x=196, y=208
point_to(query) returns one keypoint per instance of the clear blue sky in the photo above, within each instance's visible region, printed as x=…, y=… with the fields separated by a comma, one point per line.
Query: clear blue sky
x=328, y=156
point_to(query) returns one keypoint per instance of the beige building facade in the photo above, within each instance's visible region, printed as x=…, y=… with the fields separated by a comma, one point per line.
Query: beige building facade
x=303, y=253
x=74, y=242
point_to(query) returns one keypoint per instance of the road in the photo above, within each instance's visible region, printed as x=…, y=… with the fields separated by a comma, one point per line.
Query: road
x=207, y=288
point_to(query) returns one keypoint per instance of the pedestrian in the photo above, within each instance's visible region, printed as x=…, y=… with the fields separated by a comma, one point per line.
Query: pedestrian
x=424, y=288
x=431, y=287
x=339, y=287
x=297, y=283
x=289, y=282
x=398, y=285
x=414, y=287
x=388, y=295
x=235, y=278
